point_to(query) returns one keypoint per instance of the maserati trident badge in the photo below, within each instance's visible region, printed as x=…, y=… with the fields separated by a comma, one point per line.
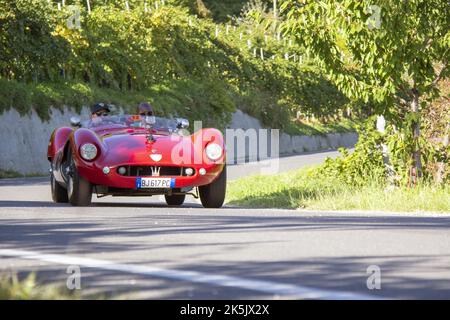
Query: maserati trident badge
x=155, y=171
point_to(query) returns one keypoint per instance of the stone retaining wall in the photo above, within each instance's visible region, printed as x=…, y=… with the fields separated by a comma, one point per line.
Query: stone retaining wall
x=24, y=140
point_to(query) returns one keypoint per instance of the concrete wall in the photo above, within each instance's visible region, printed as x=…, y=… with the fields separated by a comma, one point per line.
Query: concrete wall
x=287, y=144
x=24, y=140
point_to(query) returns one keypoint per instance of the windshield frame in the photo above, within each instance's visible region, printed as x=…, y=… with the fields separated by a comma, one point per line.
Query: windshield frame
x=128, y=121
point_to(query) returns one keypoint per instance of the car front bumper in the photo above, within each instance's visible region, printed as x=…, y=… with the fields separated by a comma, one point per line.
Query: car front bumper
x=94, y=173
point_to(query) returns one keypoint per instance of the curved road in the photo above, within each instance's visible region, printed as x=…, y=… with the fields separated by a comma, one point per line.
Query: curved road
x=139, y=248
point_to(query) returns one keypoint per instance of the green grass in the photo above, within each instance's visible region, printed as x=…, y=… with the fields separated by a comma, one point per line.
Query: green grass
x=303, y=190
x=11, y=288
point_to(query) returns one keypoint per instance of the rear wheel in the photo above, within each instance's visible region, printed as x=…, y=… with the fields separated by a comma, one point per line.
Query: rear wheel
x=213, y=194
x=79, y=190
x=59, y=193
x=175, y=199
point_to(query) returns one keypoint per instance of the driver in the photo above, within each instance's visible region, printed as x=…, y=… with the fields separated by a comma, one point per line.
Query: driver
x=99, y=110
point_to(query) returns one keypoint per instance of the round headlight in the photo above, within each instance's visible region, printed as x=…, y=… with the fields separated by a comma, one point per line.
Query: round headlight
x=213, y=151
x=88, y=151
x=189, y=171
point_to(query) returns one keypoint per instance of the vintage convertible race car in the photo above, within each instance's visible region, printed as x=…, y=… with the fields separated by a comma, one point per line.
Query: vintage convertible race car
x=130, y=155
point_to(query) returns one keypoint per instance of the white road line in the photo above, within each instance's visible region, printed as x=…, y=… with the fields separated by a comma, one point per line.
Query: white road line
x=278, y=289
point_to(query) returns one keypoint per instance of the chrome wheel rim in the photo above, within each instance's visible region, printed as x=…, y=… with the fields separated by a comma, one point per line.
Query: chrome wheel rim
x=70, y=186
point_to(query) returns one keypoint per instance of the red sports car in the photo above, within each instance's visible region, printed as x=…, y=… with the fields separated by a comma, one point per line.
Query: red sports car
x=129, y=155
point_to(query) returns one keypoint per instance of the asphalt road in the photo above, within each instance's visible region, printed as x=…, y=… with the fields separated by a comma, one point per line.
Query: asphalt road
x=140, y=248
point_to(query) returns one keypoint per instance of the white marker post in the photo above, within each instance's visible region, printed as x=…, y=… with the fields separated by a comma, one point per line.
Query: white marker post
x=275, y=10
x=88, y=6
x=390, y=173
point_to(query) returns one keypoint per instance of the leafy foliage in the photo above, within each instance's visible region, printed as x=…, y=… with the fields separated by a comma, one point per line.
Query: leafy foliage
x=390, y=54
x=363, y=165
x=375, y=63
x=28, y=48
x=166, y=56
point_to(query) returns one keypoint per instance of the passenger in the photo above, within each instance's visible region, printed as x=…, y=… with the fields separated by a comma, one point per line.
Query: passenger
x=145, y=109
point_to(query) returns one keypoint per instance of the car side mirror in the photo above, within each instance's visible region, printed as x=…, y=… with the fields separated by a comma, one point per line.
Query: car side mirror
x=75, y=122
x=182, y=123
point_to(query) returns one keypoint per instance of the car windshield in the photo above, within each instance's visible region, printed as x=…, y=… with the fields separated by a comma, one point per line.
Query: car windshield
x=132, y=121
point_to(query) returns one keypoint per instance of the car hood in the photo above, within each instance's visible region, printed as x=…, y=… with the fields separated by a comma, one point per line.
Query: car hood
x=131, y=149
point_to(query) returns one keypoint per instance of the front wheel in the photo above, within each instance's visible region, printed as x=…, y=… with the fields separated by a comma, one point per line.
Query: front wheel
x=79, y=190
x=175, y=199
x=213, y=195
x=59, y=193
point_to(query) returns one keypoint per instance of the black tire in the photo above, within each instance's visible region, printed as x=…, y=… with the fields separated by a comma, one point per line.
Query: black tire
x=175, y=199
x=79, y=190
x=59, y=193
x=213, y=195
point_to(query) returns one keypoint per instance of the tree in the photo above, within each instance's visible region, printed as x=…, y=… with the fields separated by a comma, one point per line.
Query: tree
x=28, y=47
x=389, y=53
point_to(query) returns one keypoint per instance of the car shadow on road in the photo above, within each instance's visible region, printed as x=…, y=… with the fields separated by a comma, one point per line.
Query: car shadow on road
x=85, y=229
x=25, y=181
x=50, y=204
x=30, y=204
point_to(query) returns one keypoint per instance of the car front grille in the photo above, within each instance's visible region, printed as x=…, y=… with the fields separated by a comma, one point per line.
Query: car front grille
x=147, y=171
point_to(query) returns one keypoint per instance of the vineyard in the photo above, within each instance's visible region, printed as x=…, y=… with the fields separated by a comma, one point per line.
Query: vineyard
x=124, y=52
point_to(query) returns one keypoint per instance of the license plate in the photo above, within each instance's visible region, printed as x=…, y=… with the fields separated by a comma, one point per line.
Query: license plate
x=157, y=183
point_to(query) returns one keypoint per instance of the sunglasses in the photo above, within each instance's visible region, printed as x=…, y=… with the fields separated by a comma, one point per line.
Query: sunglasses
x=149, y=113
x=101, y=114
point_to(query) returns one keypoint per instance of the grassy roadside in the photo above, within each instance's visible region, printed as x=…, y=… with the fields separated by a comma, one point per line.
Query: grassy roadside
x=11, y=288
x=300, y=189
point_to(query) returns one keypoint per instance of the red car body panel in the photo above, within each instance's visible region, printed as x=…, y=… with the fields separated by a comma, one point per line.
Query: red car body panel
x=58, y=140
x=118, y=146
